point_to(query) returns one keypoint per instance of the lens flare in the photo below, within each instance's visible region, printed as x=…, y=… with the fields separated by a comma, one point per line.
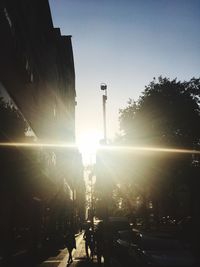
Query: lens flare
x=114, y=148
x=37, y=145
x=150, y=149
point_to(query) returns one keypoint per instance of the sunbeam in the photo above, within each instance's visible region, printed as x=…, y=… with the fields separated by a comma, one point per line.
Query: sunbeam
x=101, y=147
x=150, y=149
x=21, y=144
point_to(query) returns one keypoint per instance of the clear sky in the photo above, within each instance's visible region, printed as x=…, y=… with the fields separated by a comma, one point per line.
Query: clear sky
x=125, y=43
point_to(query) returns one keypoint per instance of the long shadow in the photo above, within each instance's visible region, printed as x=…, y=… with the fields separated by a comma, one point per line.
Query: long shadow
x=83, y=262
x=49, y=252
x=31, y=258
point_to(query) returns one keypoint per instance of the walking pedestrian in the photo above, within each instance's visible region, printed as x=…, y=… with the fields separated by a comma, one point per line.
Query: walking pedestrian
x=89, y=242
x=92, y=244
x=70, y=244
x=99, y=242
x=103, y=237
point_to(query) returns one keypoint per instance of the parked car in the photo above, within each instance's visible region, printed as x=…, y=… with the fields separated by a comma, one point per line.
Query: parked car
x=119, y=223
x=126, y=239
x=160, y=252
x=115, y=224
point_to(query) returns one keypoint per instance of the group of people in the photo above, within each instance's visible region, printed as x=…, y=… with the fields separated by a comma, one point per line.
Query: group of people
x=89, y=242
x=97, y=242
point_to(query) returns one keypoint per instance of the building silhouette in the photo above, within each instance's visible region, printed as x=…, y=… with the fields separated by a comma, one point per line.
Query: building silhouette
x=37, y=78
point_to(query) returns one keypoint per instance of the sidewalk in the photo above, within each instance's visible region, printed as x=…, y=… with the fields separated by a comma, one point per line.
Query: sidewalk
x=79, y=258
x=60, y=260
x=78, y=254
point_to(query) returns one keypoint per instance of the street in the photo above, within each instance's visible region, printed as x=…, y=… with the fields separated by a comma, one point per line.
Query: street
x=122, y=254
x=99, y=145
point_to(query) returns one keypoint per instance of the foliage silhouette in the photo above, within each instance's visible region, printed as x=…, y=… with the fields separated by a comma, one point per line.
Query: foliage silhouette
x=167, y=114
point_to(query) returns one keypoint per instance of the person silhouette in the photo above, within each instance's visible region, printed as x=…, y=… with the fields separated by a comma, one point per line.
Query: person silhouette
x=70, y=244
x=92, y=244
x=89, y=244
x=99, y=242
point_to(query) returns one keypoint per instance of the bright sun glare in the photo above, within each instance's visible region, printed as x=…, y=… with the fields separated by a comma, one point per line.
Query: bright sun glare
x=88, y=143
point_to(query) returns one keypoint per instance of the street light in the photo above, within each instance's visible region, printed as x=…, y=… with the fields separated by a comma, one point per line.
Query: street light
x=104, y=98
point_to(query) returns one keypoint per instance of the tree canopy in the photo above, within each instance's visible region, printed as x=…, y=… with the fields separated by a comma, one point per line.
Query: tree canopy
x=167, y=113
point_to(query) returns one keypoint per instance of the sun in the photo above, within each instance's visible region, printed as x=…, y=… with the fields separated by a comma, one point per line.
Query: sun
x=88, y=143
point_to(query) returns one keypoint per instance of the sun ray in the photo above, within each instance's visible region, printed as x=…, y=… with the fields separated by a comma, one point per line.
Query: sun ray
x=53, y=145
x=100, y=147
x=150, y=149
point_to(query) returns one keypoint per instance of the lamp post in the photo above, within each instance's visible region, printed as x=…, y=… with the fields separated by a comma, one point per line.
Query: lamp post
x=104, y=98
x=105, y=187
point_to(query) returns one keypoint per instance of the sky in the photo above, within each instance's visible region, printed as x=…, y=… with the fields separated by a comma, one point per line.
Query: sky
x=125, y=43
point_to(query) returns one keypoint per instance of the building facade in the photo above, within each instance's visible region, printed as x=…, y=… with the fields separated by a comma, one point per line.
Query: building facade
x=37, y=81
x=37, y=68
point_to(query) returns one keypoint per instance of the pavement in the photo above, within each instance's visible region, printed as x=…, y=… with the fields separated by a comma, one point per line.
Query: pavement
x=79, y=257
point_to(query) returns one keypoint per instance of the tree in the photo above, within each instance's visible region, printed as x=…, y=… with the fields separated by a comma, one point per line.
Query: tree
x=166, y=115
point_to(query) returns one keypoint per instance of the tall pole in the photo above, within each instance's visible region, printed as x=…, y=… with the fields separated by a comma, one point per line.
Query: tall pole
x=104, y=98
x=106, y=192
